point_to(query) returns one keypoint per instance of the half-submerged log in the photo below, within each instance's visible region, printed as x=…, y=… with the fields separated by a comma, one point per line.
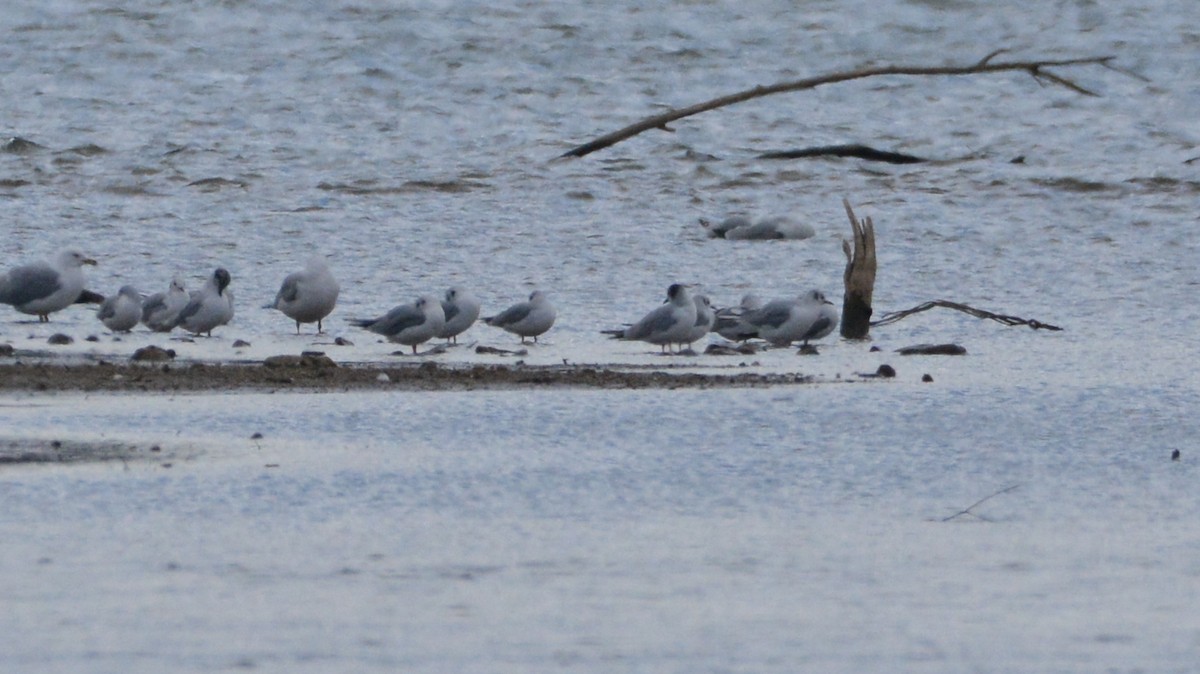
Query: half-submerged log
x=859, y=277
x=858, y=151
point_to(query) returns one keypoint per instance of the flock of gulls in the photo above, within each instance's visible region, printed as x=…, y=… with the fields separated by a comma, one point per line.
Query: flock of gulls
x=309, y=296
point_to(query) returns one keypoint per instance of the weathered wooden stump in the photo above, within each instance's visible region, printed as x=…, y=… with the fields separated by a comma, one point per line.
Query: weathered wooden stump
x=859, y=277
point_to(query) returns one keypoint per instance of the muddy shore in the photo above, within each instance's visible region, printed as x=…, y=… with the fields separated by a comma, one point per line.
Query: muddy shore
x=319, y=373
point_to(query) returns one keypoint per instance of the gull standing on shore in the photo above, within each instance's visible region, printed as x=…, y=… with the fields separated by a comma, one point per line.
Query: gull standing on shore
x=665, y=325
x=209, y=307
x=461, y=310
x=526, y=319
x=307, y=296
x=408, y=324
x=42, y=288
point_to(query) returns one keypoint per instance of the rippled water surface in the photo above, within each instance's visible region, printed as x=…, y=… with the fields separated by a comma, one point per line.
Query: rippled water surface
x=788, y=529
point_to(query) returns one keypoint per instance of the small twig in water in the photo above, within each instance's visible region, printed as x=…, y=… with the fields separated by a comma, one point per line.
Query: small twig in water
x=967, y=510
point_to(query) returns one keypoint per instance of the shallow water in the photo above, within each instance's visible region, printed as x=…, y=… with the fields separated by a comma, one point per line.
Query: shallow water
x=764, y=530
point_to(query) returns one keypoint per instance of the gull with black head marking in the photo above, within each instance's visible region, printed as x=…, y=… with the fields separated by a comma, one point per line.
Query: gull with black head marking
x=209, y=307
x=42, y=288
x=665, y=325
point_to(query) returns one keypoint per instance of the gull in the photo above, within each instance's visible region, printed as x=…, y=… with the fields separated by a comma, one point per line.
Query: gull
x=461, y=309
x=782, y=322
x=408, y=324
x=705, y=318
x=43, y=288
x=741, y=228
x=121, y=312
x=307, y=296
x=160, y=312
x=209, y=307
x=526, y=319
x=730, y=322
x=667, y=324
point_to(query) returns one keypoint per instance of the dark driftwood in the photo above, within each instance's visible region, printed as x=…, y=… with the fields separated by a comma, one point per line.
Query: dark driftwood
x=859, y=151
x=1037, y=69
x=859, y=277
x=978, y=313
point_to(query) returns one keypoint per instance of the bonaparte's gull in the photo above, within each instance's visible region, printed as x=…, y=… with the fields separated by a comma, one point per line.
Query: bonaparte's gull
x=43, y=288
x=408, y=324
x=526, y=319
x=730, y=321
x=667, y=324
x=782, y=322
x=741, y=228
x=121, y=312
x=209, y=307
x=160, y=312
x=309, y=295
x=461, y=309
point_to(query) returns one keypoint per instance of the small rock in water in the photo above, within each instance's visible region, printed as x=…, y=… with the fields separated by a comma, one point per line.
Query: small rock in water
x=342, y=341
x=7, y=349
x=256, y=436
x=241, y=344
x=152, y=354
x=91, y=338
x=1175, y=455
x=383, y=378
x=926, y=378
x=933, y=350
x=885, y=371
x=59, y=339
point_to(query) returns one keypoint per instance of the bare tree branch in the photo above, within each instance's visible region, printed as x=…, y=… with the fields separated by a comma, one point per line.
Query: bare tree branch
x=977, y=313
x=967, y=510
x=1037, y=69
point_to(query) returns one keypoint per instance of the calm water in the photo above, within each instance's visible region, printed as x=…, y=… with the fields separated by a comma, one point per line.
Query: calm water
x=794, y=529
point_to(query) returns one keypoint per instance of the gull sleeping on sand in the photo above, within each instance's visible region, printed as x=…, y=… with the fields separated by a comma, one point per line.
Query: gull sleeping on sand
x=307, y=296
x=121, y=312
x=160, y=312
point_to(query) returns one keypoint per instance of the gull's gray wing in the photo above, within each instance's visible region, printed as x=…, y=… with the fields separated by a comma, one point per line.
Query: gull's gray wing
x=514, y=314
x=290, y=290
x=819, y=326
x=774, y=314
x=397, y=320
x=659, y=320
x=192, y=307
x=156, y=302
x=108, y=308
x=29, y=283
